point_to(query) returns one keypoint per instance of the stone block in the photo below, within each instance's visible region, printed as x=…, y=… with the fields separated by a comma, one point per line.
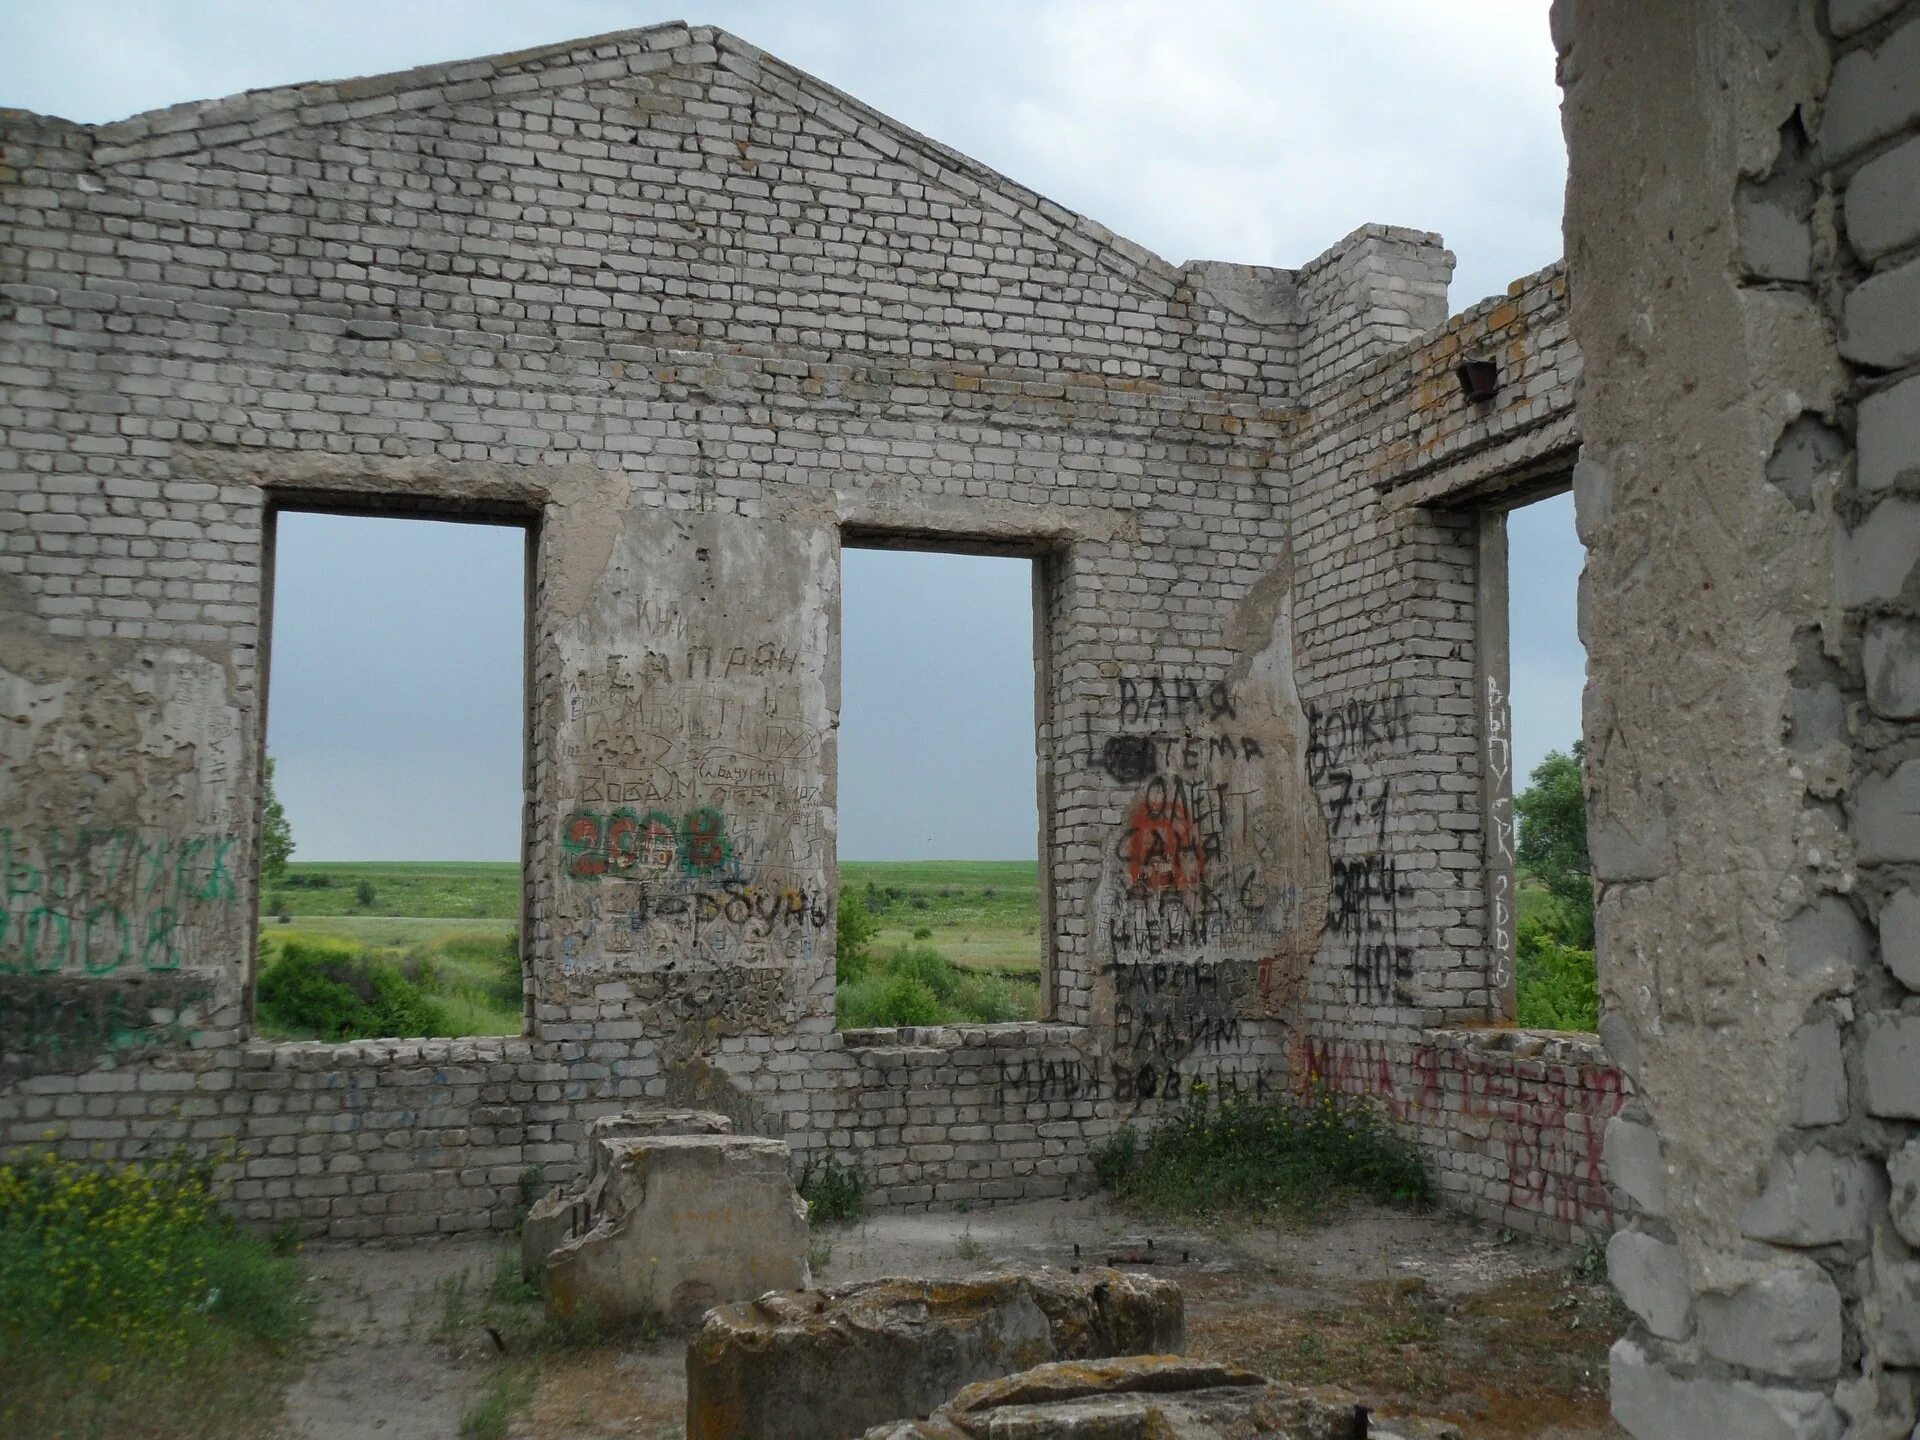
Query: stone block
x=1886, y=816
x=1889, y=435
x=1651, y=1278
x=1883, y=202
x=569, y=1210
x=1786, y=1323
x=1890, y=654
x=1873, y=93
x=1890, y=1062
x=1150, y=1395
x=686, y=1222
x=1653, y=1403
x=1826, y=940
x=1817, y=1074
x=831, y=1364
x=1877, y=327
x=1815, y=1198
x=1633, y=1164
x=1896, y=1295
x=1903, y=1169
x=1900, y=935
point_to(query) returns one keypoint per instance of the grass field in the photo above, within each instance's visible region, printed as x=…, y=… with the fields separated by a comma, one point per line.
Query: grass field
x=984, y=914
x=436, y=890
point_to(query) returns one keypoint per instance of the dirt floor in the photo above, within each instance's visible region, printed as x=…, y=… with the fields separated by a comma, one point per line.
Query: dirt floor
x=1415, y=1313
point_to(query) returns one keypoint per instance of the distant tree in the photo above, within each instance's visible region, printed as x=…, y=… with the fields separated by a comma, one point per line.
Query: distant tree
x=276, y=835
x=1553, y=837
x=364, y=894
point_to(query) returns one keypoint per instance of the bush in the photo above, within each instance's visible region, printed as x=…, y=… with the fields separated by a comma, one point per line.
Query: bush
x=836, y=1194
x=879, y=1001
x=854, y=929
x=1556, y=985
x=1237, y=1155
x=923, y=932
x=326, y=990
x=917, y=985
x=364, y=894
x=130, y=1271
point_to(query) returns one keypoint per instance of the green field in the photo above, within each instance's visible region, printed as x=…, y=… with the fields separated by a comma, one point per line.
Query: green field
x=984, y=914
x=437, y=889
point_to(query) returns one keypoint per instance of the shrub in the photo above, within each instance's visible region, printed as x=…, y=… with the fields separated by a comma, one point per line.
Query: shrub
x=327, y=990
x=364, y=894
x=990, y=1000
x=887, y=1000
x=854, y=929
x=1238, y=1155
x=836, y=1194
x=928, y=966
x=130, y=1271
x=1556, y=985
x=923, y=932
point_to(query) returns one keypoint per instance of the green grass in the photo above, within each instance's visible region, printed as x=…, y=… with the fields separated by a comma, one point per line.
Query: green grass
x=914, y=984
x=435, y=889
x=983, y=914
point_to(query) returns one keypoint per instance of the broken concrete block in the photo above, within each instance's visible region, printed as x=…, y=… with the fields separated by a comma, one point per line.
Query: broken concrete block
x=830, y=1364
x=1817, y=1198
x=569, y=1210
x=1903, y=1168
x=1786, y=1323
x=1150, y=1397
x=1818, y=1074
x=1651, y=1279
x=1891, y=1063
x=1651, y=1402
x=1633, y=1164
x=686, y=1222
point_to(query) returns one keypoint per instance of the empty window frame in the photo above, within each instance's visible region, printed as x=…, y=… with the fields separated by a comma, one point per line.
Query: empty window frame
x=942, y=834
x=395, y=740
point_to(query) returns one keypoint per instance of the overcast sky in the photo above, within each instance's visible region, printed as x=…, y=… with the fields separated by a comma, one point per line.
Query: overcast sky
x=1258, y=132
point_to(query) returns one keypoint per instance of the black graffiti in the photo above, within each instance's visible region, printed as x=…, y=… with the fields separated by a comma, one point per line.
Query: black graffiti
x=1041, y=1081
x=1171, y=1083
x=1174, y=697
x=1352, y=730
x=1132, y=758
x=1128, y=758
x=758, y=910
x=1352, y=803
x=1169, y=921
x=1364, y=906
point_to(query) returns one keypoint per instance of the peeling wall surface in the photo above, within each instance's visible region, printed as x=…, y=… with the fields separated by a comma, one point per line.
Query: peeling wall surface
x=1743, y=229
x=692, y=317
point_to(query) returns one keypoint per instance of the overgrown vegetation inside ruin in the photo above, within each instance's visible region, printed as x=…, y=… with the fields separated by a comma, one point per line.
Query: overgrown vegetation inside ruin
x=914, y=984
x=131, y=1306
x=836, y=1194
x=315, y=987
x=1234, y=1156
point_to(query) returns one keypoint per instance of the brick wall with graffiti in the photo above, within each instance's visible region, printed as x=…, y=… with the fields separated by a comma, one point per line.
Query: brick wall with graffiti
x=1258, y=736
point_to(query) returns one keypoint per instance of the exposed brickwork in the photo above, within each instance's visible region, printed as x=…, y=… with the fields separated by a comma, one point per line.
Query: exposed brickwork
x=681, y=308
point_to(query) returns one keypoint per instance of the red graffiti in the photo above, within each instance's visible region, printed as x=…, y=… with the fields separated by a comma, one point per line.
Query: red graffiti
x=1547, y=1118
x=1163, y=846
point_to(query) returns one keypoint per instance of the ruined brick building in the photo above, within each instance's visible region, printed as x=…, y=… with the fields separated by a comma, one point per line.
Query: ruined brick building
x=694, y=320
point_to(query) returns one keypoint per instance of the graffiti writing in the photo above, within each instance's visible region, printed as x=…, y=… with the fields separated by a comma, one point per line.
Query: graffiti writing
x=1364, y=906
x=1548, y=1118
x=50, y=1023
x=1361, y=726
x=98, y=900
x=1499, y=835
x=1174, y=697
x=627, y=843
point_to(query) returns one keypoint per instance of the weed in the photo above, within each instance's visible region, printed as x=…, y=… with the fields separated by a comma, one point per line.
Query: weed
x=819, y=1251
x=967, y=1248
x=1236, y=1155
x=836, y=1194
x=131, y=1273
x=489, y=1417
